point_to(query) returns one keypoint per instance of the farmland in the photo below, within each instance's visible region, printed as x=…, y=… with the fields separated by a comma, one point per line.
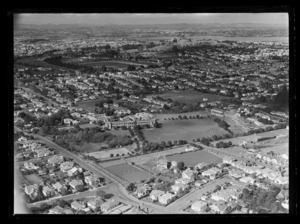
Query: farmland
x=194, y=158
x=191, y=96
x=128, y=173
x=184, y=130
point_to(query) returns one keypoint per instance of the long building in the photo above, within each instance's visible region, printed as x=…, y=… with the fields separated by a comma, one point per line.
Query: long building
x=130, y=121
x=217, y=112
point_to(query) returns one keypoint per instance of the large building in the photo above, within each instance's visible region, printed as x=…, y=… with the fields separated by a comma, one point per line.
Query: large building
x=217, y=112
x=130, y=121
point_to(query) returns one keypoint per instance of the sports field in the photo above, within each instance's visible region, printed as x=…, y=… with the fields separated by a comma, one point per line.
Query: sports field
x=191, y=96
x=128, y=173
x=172, y=130
x=194, y=158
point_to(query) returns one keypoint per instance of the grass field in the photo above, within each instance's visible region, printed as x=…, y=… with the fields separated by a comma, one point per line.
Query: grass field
x=191, y=96
x=194, y=158
x=128, y=172
x=184, y=130
x=90, y=104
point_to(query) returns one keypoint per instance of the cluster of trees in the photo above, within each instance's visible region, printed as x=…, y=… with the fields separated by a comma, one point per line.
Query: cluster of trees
x=179, y=107
x=130, y=68
x=27, y=117
x=94, y=135
x=224, y=144
x=258, y=198
x=223, y=124
x=265, y=121
x=58, y=62
x=265, y=138
x=207, y=140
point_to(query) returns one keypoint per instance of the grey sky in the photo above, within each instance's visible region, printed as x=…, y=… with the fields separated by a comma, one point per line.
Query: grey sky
x=151, y=18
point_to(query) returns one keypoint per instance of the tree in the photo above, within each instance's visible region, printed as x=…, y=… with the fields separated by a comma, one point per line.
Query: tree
x=100, y=193
x=218, y=187
x=62, y=203
x=130, y=187
x=180, y=165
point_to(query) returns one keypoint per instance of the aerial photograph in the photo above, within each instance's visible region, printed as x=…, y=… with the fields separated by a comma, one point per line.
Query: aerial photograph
x=151, y=113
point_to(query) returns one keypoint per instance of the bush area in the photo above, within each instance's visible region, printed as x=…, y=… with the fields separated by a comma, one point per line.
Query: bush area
x=92, y=135
x=262, y=200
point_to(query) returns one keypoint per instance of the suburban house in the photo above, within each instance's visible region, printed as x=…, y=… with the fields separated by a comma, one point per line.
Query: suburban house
x=155, y=194
x=48, y=192
x=221, y=195
x=59, y=210
x=108, y=205
x=71, y=172
x=30, y=166
x=166, y=198
x=211, y=173
x=220, y=207
x=95, y=203
x=92, y=180
x=58, y=186
x=75, y=184
x=31, y=190
x=78, y=205
x=188, y=174
x=65, y=166
x=247, y=180
x=56, y=159
x=199, y=206
x=142, y=190
x=178, y=188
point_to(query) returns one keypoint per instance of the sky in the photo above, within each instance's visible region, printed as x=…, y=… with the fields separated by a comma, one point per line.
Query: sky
x=151, y=18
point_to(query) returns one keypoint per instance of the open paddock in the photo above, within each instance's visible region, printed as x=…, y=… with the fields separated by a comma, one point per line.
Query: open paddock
x=193, y=158
x=184, y=130
x=128, y=173
x=90, y=104
x=191, y=96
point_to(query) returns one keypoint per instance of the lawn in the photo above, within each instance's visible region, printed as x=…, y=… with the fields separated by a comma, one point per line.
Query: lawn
x=34, y=179
x=191, y=96
x=128, y=173
x=194, y=158
x=184, y=130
